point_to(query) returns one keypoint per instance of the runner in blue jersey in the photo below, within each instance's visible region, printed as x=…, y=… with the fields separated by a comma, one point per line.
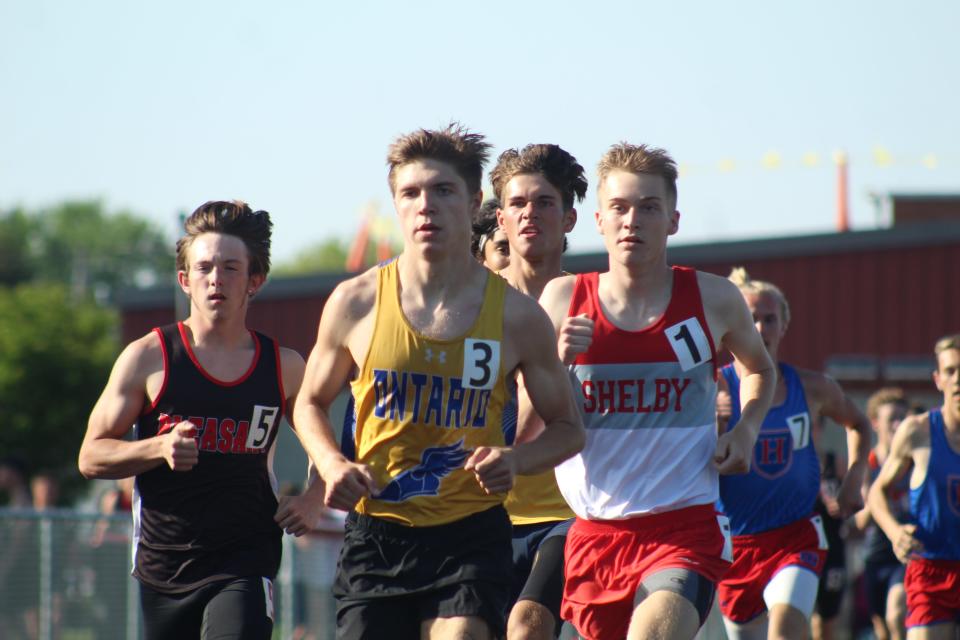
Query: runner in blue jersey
x=930, y=543
x=778, y=542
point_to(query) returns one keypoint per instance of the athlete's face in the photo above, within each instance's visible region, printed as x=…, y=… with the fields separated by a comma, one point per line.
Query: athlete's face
x=496, y=251
x=768, y=318
x=636, y=216
x=532, y=214
x=889, y=417
x=434, y=207
x=217, y=278
x=947, y=378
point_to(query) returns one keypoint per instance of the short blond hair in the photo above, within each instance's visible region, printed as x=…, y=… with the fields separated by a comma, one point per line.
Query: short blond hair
x=947, y=342
x=746, y=284
x=886, y=395
x=639, y=158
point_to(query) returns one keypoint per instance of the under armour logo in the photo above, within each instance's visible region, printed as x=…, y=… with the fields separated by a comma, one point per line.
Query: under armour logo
x=441, y=357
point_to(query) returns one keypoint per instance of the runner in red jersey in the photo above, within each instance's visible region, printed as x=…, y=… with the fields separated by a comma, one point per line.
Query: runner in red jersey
x=646, y=550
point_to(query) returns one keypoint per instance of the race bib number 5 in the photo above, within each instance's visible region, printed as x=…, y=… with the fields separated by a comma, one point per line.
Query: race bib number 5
x=261, y=426
x=481, y=363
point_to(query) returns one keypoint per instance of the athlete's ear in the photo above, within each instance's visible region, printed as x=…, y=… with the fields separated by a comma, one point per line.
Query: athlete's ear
x=477, y=201
x=674, y=222
x=256, y=281
x=184, y=281
x=569, y=220
x=596, y=219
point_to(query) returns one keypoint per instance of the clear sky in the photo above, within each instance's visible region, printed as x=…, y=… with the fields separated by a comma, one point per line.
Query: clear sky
x=290, y=105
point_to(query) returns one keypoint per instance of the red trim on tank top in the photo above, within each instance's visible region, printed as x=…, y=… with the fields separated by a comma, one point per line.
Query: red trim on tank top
x=166, y=372
x=205, y=373
x=283, y=396
x=685, y=297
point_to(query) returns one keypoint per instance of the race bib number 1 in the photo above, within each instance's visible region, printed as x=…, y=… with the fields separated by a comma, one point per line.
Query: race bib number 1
x=689, y=342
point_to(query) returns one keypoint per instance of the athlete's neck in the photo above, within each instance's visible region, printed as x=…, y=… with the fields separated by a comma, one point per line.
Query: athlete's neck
x=639, y=281
x=531, y=276
x=429, y=280
x=951, y=417
x=224, y=334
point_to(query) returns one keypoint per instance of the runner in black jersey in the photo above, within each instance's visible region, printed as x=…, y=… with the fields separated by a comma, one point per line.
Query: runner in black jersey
x=207, y=396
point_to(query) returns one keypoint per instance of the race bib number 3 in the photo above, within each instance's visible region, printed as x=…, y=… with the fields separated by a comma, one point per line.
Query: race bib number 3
x=481, y=363
x=261, y=426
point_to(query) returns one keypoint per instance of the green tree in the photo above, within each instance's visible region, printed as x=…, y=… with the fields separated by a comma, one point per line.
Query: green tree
x=326, y=256
x=55, y=356
x=16, y=264
x=79, y=244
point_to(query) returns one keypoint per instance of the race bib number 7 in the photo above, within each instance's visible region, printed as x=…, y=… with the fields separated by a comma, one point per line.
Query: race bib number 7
x=481, y=363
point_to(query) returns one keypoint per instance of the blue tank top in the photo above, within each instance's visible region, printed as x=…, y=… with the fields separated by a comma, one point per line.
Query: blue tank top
x=935, y=504
x=784, y=478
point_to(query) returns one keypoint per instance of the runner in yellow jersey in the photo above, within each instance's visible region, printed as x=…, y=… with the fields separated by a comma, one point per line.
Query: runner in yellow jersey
x=431, y=343
x=537, y=187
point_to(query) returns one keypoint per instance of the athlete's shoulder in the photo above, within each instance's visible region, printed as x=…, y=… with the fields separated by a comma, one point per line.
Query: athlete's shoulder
x=556, y=296
x=520, y=309
x=354, y=297
x=914, y=431
x=815, y=383
x=717, y=290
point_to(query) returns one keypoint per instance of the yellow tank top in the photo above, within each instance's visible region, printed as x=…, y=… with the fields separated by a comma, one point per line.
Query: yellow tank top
x=536, y=499
x=422, y=405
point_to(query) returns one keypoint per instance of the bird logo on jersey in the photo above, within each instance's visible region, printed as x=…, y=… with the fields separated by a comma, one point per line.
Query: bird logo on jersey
x=424, y=479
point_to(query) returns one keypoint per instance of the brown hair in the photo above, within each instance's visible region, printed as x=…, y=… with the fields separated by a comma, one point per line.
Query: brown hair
x=466, y=152
x=639, y=158
x=234, y=218
x=947, y=342
x=548, y=160
x=886, y=395
x=746, y=284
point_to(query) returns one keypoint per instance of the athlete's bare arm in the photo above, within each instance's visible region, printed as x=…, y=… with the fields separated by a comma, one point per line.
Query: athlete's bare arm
x=137, y=375
x=529, y=348
x=575, y=334
x=830, y=401
x=911, y=438
x=344, y=325
x=732, y=328
x=297, y=514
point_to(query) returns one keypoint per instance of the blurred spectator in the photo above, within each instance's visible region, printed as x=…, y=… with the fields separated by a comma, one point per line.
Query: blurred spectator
x=14, y=491
x=833, y=581
x=316, y=563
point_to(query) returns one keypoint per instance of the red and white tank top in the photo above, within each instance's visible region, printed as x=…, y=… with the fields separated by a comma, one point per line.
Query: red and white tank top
x=648, y=402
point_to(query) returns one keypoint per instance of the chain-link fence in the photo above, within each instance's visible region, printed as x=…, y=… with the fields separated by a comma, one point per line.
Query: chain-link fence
x=66, y=575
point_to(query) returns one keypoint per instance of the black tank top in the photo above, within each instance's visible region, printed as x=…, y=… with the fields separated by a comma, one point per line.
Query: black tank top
x=216, y=520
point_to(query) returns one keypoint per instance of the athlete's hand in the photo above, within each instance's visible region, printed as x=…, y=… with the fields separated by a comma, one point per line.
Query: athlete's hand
x=297, y=515
x=576, y=336
x=494, y=467
x=849, y=497
x=732, y=456
x=905, y=544
x=179, y=447
x=346, y=483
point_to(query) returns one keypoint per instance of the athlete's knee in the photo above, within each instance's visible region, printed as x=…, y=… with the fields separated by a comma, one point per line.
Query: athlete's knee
x=530, y=620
